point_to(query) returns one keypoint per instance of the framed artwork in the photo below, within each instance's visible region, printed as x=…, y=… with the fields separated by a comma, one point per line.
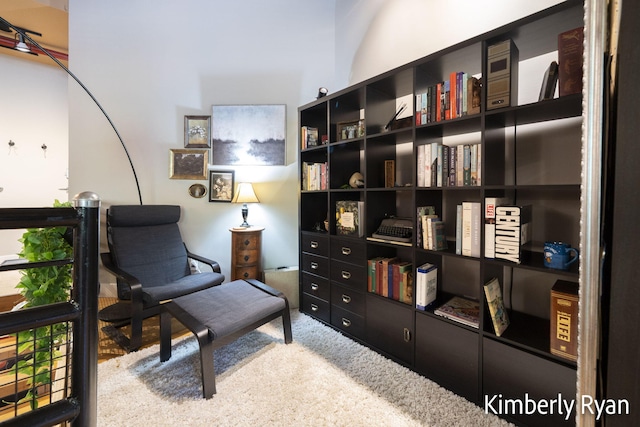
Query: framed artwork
x=197, y=131
x=221, y=186
x=188, y=164
x=197, y=191
x=248, y=134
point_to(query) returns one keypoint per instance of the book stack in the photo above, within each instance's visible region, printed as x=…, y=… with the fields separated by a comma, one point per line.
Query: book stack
x=431, y=229
x=426, y=285
x=439, y=165
x=314, y=176
x=391, y=278
x=461, y=310
x=349, y=218
x=468, y=223
x=455, y=97
x=308, y=137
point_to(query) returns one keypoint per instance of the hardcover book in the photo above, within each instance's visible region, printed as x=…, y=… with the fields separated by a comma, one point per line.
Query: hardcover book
x=513, y=230
x=499, y=315
x=426, y=285
x=564, y=320
x=461, y=310
x=349, y=218
x=570, y=61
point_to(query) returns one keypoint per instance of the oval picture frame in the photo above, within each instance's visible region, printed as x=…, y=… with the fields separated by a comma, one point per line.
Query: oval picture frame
x=197, y=191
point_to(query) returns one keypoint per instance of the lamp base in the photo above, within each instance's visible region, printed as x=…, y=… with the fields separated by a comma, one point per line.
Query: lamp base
x=245, y=213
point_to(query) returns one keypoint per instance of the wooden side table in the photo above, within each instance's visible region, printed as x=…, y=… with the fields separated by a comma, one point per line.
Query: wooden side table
x=246, y=252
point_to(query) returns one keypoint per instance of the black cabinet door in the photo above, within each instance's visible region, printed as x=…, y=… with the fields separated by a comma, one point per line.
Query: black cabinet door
x=390, y=327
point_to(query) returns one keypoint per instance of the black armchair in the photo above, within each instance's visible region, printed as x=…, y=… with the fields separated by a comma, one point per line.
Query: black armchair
x=151, y=264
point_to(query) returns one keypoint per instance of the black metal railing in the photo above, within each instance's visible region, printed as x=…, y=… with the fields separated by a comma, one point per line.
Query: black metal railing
x=75, y=402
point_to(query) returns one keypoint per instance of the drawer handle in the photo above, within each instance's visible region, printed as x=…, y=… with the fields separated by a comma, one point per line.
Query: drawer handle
x=346, y=322
x=246, y=242
x=246, y=257
x=346, y=275
x=314, y=307
x=314, y=287
x=346, y=299
x=314, y=265
x=314, y=245
x=346, y=251
x=246, y=274
x=407, y=335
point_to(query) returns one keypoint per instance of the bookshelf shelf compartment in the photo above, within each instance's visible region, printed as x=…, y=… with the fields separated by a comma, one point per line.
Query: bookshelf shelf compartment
x=530, y=153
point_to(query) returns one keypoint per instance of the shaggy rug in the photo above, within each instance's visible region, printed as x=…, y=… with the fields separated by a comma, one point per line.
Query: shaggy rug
x=321, y=379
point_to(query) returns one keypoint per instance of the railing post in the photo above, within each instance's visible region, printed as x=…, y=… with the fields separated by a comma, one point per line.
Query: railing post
x=85, y=295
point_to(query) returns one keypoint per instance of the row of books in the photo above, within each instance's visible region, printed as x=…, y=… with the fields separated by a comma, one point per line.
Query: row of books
x=439, y=165
x=391, y=278
x=308, y=137
x=431, y=233
x=314, y=176
x=456, y=97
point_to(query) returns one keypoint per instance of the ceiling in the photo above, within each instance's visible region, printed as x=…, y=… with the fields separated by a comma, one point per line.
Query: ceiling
x=47, y=17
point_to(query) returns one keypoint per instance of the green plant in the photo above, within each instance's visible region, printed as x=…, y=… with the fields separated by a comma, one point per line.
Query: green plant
x=40, y=286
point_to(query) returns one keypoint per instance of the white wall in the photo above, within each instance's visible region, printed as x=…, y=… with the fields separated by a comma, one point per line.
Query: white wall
x=375, y=36
x=150, y=64
x=33, y=112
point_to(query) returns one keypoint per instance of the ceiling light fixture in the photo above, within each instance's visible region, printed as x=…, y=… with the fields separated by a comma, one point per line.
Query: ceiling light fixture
x=20, y=43
x=22, y=37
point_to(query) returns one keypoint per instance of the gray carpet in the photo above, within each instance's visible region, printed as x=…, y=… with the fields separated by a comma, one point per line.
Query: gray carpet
x=321, y=379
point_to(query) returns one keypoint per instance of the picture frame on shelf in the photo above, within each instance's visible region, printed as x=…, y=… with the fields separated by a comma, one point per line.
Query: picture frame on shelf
x=197, y=131
x=248, y=135
x=221, y=185
x=349, y=130
x=188, y=163
x=197, y=191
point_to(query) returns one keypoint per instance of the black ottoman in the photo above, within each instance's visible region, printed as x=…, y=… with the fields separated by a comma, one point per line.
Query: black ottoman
x=221, y=314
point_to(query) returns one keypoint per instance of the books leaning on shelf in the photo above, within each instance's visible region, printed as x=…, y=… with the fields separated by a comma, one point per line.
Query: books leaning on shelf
x=391, y=278
x=455, y=97
x=461, y=310
x=499, y=316
x=349, y=218
x=314, y=176
x=440, y=165
x=426, y=285
x=564, y=320
x=308, y=137
x=433, y=234
x=513, y=230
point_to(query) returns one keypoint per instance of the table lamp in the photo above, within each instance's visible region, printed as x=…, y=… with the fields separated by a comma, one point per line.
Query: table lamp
x=245, y=194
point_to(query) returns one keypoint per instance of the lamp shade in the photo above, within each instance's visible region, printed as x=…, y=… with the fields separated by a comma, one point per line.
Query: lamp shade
x=245, y=194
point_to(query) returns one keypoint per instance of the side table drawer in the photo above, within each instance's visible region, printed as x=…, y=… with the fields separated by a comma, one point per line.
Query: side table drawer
x=349, y=275
x=316, y=307
x=315, y=265
x=316, y=286
x=348, y=322
x=246, y=272
x=315, y=244
x=348, y=299
x=351, y=251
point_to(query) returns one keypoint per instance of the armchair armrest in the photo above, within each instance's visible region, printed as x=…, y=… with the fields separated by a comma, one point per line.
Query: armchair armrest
x=211, y=263
x=132, y=282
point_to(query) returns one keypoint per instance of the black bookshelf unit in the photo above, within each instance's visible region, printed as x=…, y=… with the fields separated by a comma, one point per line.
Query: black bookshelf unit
x=529, y=152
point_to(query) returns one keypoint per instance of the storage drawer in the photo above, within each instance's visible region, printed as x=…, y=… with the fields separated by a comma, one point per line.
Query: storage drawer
x=316, y=286
x=316, y=308
x=350, y=251
x=315, y=265
x=246, y=272
x=349, y=275
x=315, y=244
x=348, y=322
x=348, y=299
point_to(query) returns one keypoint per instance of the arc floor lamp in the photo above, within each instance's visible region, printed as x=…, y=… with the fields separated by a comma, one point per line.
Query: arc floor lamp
x=21, y=39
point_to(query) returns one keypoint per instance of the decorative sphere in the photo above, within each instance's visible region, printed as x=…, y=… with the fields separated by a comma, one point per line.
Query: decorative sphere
x=356, y=180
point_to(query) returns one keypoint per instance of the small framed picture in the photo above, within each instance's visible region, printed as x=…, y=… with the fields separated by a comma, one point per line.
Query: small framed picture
x=221, y=186
x=188, y=164
x=197, y=131
x=197, y=191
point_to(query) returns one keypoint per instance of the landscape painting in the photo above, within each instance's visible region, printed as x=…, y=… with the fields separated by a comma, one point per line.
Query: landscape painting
x=248, y=135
